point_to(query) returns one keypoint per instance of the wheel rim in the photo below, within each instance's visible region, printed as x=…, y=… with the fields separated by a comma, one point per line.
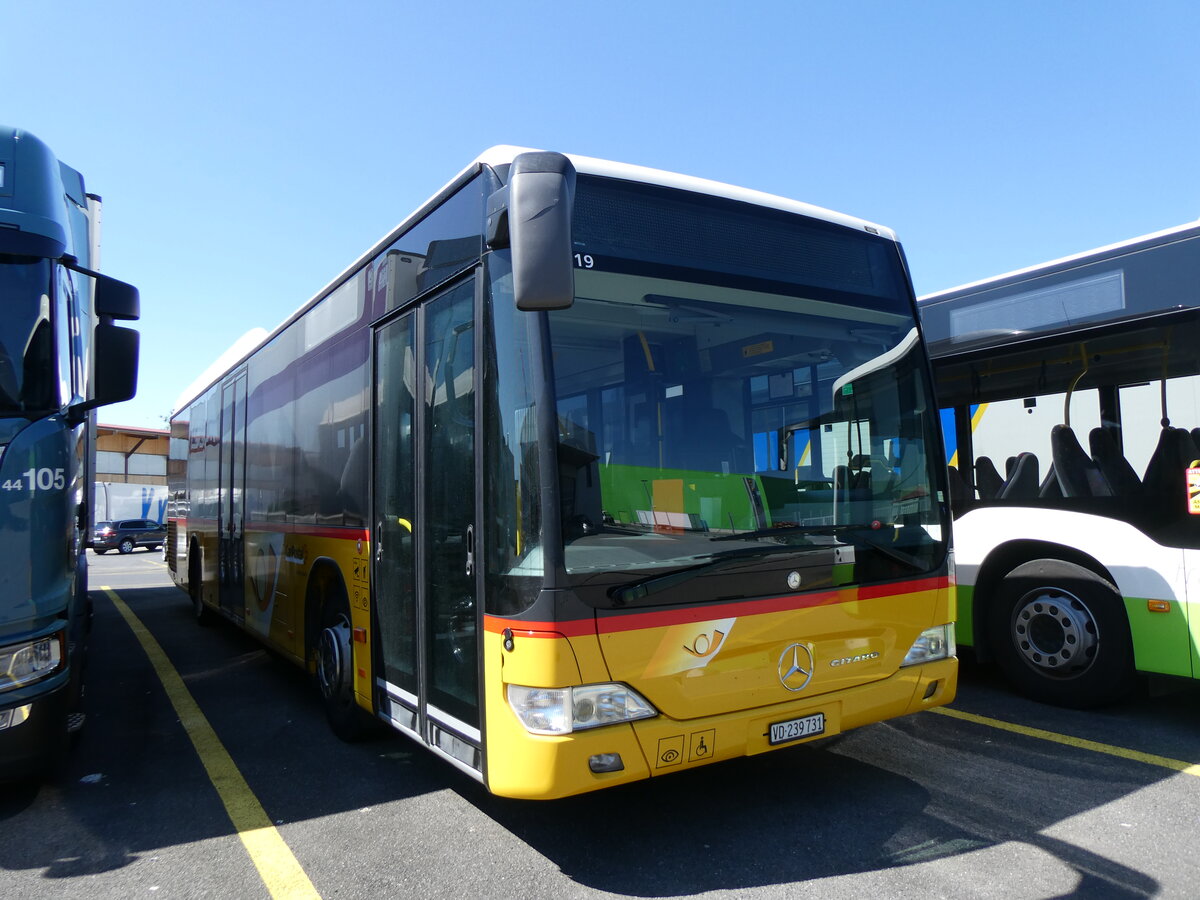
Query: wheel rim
x=1055, y=633
x=333, y=653
x=126, y=546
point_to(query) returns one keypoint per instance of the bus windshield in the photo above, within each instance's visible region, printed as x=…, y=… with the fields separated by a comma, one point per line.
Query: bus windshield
x=26, y=340
x=709, y=418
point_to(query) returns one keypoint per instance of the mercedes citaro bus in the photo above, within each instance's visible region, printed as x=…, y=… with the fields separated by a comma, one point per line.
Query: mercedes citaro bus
x=586, y=473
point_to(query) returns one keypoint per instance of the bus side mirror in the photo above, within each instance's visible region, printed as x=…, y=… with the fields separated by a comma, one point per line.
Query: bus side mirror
x=536, y=223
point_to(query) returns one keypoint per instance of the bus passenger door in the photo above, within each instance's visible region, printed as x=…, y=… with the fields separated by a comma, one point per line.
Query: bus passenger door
x=448, y=526
x=231, y=512
x=424, y=521
x=395, y=512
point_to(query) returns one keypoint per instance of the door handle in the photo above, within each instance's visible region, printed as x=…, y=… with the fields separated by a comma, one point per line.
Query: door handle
x=470, y=550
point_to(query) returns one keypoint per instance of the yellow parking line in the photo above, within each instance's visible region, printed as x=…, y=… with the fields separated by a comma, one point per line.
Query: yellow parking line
x=1149, y=759
x=279, y=869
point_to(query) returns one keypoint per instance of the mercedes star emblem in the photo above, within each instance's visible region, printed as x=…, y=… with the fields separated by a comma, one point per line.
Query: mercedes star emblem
x=795, y=667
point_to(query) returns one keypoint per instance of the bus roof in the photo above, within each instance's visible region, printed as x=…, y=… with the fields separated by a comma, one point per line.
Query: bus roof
x=502, y=155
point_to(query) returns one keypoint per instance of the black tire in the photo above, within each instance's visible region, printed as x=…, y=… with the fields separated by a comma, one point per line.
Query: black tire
x=335, y=664
x=98, y=551
x=203, y=615
x=126, y=546
x=1060, y=634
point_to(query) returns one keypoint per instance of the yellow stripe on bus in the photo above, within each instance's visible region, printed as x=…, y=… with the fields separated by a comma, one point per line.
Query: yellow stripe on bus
x=974, y=424
x=1150, y=759
x=278, y=868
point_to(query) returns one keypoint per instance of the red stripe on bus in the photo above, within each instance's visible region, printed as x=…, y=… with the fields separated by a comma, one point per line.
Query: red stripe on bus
x=875, y=591
x=343, y=532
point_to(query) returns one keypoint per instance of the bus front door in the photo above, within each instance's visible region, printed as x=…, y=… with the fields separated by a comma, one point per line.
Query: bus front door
x=424, y=521
x=230, y=549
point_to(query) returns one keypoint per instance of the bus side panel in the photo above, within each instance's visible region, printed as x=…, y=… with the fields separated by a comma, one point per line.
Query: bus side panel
x=279, y=568
x=1142, y=571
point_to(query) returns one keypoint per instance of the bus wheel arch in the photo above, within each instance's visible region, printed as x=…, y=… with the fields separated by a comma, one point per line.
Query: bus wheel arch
x=1055, y=623
x=329, y=649
x=195, y=564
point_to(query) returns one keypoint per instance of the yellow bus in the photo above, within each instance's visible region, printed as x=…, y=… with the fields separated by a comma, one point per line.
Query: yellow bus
x=586, y=473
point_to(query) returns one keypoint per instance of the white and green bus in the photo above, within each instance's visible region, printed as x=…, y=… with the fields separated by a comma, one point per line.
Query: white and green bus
x=1071, y=408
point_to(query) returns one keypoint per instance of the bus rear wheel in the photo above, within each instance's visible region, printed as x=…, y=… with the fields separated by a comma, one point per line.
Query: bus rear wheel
x=1060, y=634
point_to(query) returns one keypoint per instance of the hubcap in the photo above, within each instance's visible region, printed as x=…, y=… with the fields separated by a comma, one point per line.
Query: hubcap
x=1055, y=632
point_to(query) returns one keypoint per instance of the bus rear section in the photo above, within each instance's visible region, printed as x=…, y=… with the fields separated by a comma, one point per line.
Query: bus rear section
x=587, y=473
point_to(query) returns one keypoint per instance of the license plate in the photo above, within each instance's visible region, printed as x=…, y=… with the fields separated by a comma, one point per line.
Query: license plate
x=795, y=729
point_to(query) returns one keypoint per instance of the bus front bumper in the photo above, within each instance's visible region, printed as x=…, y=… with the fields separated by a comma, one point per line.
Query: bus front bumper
x=545, y=767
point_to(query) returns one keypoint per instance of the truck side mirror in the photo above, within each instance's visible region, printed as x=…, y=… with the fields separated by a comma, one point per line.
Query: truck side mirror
x=116, y=356
x=116, y=299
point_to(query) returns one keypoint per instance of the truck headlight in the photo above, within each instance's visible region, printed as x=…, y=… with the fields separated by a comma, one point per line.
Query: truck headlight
x=563, y=710
x=22, y=664
x=934, y=643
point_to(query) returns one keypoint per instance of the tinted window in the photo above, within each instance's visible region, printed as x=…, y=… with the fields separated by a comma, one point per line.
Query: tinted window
x=445, y=242
x=647, y=230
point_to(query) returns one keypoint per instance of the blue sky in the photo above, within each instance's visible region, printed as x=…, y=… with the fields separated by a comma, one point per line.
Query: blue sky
x=248, y=151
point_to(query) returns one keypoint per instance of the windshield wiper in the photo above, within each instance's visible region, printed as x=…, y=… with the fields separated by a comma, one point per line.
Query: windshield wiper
x=858, y=534
x=637, y=590
x=782, y=530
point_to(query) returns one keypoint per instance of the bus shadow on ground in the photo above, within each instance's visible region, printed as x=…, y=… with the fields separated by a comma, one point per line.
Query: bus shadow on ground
x=812, y=812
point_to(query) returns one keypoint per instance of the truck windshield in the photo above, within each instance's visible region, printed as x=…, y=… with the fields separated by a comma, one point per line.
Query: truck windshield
x=733, y=381
x=27, y=373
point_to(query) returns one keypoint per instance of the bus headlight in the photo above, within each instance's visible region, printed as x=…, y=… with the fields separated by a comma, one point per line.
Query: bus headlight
x=563, y=710
x=934, y=643
x=21, y=664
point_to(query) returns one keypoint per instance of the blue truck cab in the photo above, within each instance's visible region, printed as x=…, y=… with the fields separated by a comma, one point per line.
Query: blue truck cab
x=62, y=355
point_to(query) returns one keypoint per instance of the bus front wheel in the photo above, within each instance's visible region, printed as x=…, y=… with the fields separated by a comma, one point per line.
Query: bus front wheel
x=335, y=673
x=1060, y=634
